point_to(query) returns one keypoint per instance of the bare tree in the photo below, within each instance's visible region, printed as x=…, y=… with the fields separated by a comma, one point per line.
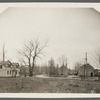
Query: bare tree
x=22, y=61
x=96, y=57
x=63, y=60
x=51, y=65
x=31, y=51
x=77, y=66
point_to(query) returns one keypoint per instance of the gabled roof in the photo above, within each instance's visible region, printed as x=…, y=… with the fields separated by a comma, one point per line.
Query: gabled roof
x=9, y=64
x=5, y=62
x=87, y=65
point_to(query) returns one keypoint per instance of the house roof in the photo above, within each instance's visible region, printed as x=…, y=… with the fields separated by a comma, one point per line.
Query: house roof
x=9, y=63
x=15, y=64
x=5, y=62
x=87, y=66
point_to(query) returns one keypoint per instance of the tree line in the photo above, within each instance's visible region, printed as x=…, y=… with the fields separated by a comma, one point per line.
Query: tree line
x=32, y=50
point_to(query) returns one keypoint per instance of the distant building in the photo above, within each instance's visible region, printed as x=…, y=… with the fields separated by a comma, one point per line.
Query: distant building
x=96, y=72
x=24, y=70
x=8, y=69
x=86, y=70
x=63, y=70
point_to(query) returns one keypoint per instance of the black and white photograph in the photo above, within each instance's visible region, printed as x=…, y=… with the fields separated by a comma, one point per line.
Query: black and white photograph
x=49, y=49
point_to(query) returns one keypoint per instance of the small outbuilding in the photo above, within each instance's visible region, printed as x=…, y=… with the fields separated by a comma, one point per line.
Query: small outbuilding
x=86, y=70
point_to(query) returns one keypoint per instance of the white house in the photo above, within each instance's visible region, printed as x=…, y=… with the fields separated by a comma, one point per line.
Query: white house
x=8, y=69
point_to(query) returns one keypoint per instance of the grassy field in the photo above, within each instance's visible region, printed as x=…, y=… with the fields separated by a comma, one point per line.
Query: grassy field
x=48, y=85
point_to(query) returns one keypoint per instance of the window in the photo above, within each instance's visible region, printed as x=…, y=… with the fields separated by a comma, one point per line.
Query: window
x=10, y=71
x=0, y=66
x=7, y=71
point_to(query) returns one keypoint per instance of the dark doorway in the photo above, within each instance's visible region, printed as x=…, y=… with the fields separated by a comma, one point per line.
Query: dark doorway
x=91, y=74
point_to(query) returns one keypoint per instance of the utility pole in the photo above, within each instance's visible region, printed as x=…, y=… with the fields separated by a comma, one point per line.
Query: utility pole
x=85, y=65
x=3, y=52
x=86, y=57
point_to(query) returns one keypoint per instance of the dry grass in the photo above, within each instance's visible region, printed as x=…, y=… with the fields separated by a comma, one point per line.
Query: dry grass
x=50, y=85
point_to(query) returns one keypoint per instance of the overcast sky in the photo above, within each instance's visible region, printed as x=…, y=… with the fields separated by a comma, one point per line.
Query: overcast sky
x=70, y=31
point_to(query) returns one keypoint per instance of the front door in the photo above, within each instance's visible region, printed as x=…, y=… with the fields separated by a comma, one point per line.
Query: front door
x=91, y=74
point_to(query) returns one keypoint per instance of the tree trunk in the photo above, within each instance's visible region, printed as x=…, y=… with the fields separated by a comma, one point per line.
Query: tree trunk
x=33, y=72
x=30, y=69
